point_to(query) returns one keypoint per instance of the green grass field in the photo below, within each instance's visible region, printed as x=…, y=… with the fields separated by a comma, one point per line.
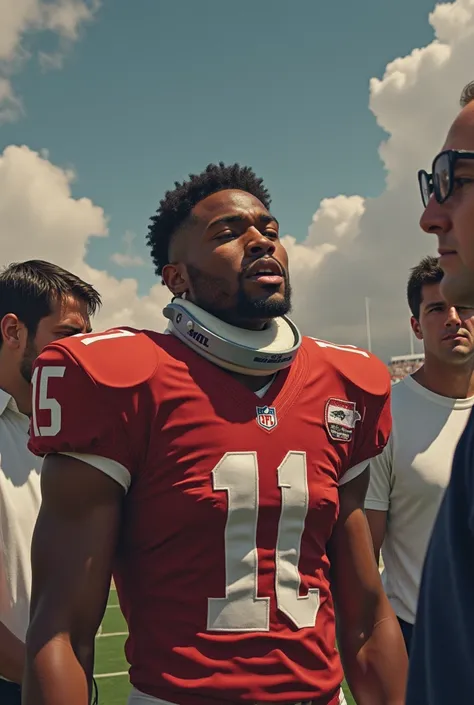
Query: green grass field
x=111, y=668
x=110, y=664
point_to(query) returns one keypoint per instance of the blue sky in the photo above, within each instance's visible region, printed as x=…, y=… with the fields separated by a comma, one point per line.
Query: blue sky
x=155, y=89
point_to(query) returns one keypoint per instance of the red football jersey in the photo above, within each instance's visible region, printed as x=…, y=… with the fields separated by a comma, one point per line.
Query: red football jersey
x=222, y=572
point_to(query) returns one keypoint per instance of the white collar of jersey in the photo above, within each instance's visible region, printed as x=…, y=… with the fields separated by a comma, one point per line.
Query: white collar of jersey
x=7, y=402
x=248, y=352
x=4, y=400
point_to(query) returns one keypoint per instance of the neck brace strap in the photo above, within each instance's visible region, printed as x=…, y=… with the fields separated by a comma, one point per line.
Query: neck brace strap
x=249, y=352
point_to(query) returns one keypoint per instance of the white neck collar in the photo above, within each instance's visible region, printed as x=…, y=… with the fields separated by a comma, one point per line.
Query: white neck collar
x=236, y=349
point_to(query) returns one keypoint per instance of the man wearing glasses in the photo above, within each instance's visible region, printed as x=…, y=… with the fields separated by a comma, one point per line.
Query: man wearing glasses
x=442, y=656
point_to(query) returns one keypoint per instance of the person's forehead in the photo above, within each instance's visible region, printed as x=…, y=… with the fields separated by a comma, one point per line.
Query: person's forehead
x=228, y=202
x=431, y=293
x=461, y=133
x=68, y=310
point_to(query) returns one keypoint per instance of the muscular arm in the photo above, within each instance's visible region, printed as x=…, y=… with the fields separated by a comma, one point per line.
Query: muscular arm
x=12, y=655
x=372, y=648
x=72, y=553
x=377, y=521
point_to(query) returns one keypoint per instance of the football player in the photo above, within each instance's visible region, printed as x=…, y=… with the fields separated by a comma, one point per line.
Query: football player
x=220, y=472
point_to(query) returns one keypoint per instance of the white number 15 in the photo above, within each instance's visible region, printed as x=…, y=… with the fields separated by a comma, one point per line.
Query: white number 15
x=42, y=375
x=39, y=381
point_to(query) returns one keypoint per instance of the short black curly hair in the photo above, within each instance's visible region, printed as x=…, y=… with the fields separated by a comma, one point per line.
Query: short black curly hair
x=177, y=205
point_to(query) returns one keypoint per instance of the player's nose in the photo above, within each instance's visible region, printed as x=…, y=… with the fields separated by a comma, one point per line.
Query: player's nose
x=259, y=244
x=436, y=218
x=452, y=317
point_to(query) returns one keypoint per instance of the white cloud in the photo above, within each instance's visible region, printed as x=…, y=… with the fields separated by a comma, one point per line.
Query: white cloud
x=19, y=18
x=49, y=62
x=127, y=258
x=10, y=105
x=66, y=16
x=39, y=218
x=372, y=244
x=355, y=247
x=124, y=260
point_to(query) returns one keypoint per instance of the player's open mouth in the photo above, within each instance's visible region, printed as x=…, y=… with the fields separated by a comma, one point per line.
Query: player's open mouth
x=263, y=278
x=266, y=272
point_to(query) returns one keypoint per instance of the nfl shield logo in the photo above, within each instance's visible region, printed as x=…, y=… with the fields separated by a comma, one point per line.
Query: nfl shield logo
x=267, y=417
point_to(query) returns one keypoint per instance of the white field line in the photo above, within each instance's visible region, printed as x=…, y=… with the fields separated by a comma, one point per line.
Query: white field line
x=102, y=635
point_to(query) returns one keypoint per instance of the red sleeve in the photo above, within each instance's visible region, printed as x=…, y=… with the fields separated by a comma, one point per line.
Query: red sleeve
x=73, y=413
x=366, y=387
x=374, y=429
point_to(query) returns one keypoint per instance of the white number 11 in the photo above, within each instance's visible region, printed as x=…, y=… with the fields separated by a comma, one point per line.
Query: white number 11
x=241, y=609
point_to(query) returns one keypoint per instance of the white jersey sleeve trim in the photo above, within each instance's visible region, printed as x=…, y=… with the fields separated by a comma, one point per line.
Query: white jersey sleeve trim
x=112, y=468
x=354, y=472
x=377, y=505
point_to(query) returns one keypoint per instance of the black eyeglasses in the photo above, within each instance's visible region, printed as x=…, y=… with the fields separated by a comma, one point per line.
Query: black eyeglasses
x=442, y=179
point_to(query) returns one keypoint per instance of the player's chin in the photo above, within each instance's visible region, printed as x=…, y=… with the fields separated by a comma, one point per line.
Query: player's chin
x=458, y=353
x=270, y=298
x=273, y=306
x=463, y=348
x=457, y=286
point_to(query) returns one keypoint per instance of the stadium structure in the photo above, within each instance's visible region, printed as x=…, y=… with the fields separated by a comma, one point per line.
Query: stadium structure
x=402, y=365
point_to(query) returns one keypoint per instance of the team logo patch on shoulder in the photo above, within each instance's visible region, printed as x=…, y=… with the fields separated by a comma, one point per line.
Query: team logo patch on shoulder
x=341, y=417
x=267, y=417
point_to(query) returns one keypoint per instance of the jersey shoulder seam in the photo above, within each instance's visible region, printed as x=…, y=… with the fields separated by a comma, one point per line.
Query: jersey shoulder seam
x=65, y=349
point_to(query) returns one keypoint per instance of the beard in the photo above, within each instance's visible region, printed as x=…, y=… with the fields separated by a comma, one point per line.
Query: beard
x=28, y=359
x=209, y=294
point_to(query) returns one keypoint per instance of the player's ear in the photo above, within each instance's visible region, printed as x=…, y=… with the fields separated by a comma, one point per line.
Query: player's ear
x=416, y=328
x=13, y=331
x=175, y=278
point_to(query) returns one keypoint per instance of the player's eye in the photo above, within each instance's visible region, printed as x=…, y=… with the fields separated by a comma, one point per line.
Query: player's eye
x=226, y=235
x=460, y=181
x=66, y=333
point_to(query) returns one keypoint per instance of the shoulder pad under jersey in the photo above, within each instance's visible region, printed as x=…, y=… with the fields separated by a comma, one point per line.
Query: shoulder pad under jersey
x=118, y=357
x=357, y=366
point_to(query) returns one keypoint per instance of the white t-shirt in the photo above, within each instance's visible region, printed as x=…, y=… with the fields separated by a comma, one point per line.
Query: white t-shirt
x=408, y=481
x=20, y=500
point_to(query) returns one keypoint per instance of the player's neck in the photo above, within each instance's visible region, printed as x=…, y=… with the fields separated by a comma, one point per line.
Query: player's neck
x=252, y=382
x=247, y=323
x=452, y=381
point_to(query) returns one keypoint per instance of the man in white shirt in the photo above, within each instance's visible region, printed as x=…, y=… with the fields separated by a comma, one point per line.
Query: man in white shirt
x=39, y=302
x=430, y=409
